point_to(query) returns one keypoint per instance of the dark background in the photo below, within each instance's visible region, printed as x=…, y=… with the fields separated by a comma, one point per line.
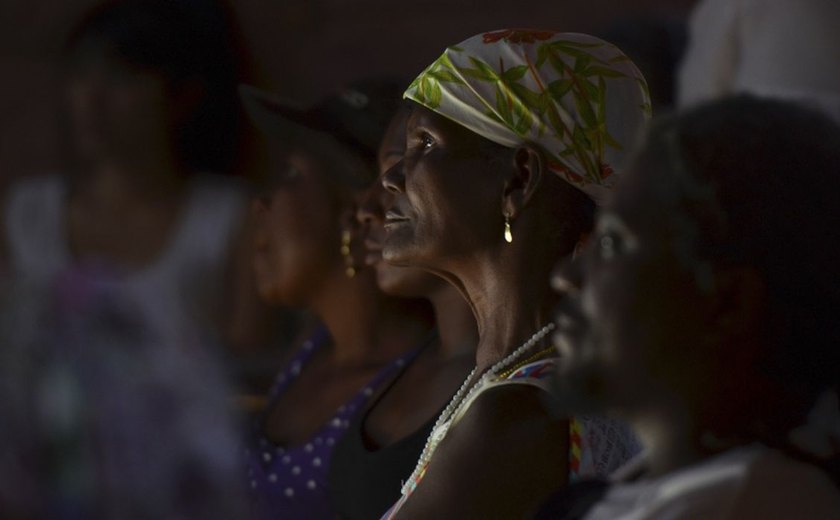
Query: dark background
x=298, y=48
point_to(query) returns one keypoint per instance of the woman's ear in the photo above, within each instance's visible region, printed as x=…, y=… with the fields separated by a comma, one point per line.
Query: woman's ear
x=524, y=179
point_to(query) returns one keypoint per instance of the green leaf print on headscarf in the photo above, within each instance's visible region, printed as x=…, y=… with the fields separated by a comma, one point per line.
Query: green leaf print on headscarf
x=578, y=98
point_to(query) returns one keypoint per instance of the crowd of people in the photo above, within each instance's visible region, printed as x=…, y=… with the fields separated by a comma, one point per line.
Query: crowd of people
x=503, y=288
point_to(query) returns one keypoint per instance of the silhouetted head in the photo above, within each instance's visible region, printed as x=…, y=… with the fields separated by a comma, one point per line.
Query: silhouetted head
x=142, y=74
x=710, y=282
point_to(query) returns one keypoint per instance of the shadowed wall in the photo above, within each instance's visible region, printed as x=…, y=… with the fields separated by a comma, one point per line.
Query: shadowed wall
x=298, y=48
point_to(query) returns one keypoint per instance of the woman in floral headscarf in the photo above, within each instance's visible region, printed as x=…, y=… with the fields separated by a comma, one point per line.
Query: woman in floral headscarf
x=513, y=137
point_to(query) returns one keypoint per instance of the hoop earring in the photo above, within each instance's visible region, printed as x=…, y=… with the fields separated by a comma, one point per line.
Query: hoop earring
x=349, y=268
x=508, y=233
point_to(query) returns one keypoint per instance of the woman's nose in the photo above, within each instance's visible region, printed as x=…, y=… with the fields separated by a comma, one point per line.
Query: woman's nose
x=393, y=179
x=370, y=207
x=566, y=276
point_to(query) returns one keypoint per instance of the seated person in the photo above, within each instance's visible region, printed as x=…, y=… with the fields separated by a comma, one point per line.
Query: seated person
x=383, y=443
x=704, y=312
x=309, y=254
x=136, y=206
x=513, y=135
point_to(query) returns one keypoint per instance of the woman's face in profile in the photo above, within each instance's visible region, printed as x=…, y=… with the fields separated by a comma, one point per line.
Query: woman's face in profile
x=394, y=280
x=296, y=235
x=631, y=320
x=447, y=193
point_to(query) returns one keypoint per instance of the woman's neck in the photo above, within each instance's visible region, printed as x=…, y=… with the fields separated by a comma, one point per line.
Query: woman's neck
x=367, y=326
x=510, y=296
x=455, y=322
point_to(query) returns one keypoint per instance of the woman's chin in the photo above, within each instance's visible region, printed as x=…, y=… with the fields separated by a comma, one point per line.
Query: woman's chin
x=399, y=248
x=405, y=282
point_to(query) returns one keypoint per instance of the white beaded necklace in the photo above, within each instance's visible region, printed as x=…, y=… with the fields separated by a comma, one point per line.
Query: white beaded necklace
x=462, y=396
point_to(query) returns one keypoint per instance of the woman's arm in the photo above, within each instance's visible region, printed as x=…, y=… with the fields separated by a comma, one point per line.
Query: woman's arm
x=504, y=457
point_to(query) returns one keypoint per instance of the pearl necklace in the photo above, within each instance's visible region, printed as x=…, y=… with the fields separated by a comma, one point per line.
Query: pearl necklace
x=461, y=397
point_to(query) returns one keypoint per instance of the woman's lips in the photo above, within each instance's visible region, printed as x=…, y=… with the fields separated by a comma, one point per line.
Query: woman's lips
x=394, y=219
x=374, y=251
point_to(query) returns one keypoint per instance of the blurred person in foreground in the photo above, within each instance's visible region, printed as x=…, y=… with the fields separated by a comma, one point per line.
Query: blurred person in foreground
x=103, y=420
x=147, y=93
x=704, y=312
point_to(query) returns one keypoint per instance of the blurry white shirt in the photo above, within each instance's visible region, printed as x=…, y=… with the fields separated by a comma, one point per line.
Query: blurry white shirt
x=752, y=482
x=788, y=49
x=179, y=295
x=102, y=420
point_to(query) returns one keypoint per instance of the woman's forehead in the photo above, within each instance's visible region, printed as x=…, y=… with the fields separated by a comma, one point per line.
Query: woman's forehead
x=418, y=114
x=422, y=117
x=394, y=138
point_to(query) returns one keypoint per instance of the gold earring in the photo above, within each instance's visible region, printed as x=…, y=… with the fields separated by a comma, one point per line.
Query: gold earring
x=508, y=232
x=349, y=268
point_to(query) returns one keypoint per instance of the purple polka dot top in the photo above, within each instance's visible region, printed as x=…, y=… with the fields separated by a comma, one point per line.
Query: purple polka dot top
x=290, y=482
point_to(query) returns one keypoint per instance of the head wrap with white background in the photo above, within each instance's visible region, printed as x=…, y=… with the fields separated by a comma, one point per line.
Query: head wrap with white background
x=579, y=98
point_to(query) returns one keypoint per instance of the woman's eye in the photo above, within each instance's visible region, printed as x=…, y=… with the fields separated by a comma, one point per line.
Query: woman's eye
x=609, y=245
x=426, y=141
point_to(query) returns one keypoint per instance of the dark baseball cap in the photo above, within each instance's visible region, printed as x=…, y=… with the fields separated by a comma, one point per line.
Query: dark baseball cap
x=356, y=116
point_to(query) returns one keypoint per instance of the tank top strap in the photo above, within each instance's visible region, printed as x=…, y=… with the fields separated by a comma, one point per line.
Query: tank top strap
x=319, y=338
x=399, y=364
x=535, y=370
x=384, y=377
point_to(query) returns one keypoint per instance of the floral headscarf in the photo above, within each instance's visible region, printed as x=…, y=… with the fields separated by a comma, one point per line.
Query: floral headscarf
x=577, y=97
